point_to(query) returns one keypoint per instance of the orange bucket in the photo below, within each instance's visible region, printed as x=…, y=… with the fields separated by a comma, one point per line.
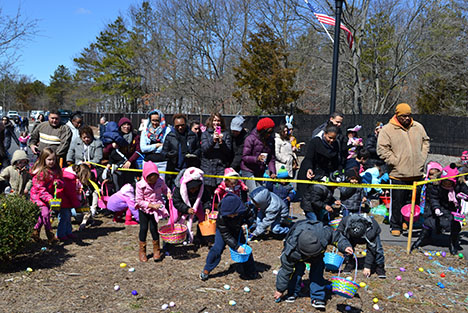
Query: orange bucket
x=208, y=227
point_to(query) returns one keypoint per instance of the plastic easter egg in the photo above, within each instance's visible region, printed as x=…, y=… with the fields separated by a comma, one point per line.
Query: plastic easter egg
x=442, y=275
x=227, y=287
x=450, y=268
x=184, y=243
x=134, y=292
x=116, y=287
x=443, y=253
x=43, y=249
x=349, y=278
x=407, y=296
x=460, y=255
x=375, y=300
x=438, y=253
x=430, y=258
x=347, y=308
x=398, y=278
x=246, y=289
x=376, y=307
x=364, y=253
x=362, y=284
x=164, y=306
x=232, y=302
x=275, y=272
x=402, y=269
x=410, y=293
x=172, y=304
x=421, y=269
x=29, y=270
x=123, y=265
x=131, y=269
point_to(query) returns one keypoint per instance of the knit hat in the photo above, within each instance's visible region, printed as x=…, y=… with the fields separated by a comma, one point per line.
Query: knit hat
x=231, y=204
x=464, y=158
x=402, y=109
x=230, y=172
x=19, y=155
x=282, y=172
x=237, y=122
x=449, y=171
x=352, y=173
x=308, y=243
x=265, y=123
x=124, y=120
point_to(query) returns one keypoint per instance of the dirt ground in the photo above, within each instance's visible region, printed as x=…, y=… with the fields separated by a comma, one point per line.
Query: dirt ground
x=81, y=275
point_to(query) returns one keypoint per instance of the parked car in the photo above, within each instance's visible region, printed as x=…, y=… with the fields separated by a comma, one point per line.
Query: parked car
x=12, y=114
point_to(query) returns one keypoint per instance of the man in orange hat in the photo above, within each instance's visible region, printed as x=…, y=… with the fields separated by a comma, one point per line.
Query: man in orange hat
x=403, y=144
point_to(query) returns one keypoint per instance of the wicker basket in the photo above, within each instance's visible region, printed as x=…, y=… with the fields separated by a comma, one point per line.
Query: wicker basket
x=55, y=204
x=458, y=217
x=173, y=233
x=334, y=223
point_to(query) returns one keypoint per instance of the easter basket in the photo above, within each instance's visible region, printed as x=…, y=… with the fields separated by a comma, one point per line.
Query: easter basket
x=213, y=215
x=173, y=233
x=334, y=223
x=82, y=210
x=207, y=227
x=458, y=217
x=332, y=260
x=406, y=212
x=345, y=287
x=241, y=257
x=55, y=203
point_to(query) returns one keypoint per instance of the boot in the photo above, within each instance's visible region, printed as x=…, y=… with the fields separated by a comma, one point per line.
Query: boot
x=118, y=217
x=425, y=234
x=454, y=244
x=156, y=251
x=35, y=235
x=51, y=237
x=142, y=252
x=128, y=218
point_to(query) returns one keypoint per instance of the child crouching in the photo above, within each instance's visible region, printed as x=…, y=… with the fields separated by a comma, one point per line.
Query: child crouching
x=150, y=202
x=306, y=242
x=17, y=174
x=233, y=217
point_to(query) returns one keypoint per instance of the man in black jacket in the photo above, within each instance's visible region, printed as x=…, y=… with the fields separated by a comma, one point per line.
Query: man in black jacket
x=181, y=147
x=238, y=134
x=306, y=243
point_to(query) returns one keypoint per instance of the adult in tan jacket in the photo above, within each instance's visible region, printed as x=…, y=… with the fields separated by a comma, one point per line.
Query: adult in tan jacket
x=403, y=144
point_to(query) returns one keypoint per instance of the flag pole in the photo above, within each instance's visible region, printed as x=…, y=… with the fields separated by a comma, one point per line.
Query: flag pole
x=329, y=36
x=336, y=53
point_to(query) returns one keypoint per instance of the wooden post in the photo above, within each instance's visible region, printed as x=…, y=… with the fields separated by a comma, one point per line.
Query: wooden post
x=410, y=228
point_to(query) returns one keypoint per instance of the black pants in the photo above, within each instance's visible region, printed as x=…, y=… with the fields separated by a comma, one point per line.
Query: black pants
x=154, y=157
x=146, y=219
x=400, y=197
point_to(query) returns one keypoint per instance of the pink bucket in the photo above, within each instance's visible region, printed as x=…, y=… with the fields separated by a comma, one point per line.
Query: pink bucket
x=406, y=212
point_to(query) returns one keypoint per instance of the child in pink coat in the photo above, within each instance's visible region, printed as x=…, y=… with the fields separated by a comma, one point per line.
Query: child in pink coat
x=233, y=185
x=124, y=201
x=149, y=200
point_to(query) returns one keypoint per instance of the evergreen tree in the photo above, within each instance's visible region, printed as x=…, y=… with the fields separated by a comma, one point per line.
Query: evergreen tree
x=60, y=86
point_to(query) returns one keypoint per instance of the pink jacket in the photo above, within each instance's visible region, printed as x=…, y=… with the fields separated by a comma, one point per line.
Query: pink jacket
x=146, y=193
x=222, y=190
x=42, y=190
x=71, y=194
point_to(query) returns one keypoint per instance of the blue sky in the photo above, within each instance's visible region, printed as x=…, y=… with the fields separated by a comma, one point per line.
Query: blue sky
x=65, y=27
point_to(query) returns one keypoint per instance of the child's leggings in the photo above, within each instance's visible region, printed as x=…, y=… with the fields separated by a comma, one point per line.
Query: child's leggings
x=44, y=219
x=146, y=219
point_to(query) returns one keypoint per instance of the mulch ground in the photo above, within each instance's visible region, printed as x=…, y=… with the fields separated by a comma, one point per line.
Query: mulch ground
x=81, y=275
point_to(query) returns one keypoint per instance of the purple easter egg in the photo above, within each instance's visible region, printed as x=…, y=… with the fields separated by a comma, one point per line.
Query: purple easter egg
x=402, y=269
x=134, y=292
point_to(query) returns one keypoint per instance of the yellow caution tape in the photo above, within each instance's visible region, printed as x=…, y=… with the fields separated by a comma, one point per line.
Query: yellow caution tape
x=424, y=182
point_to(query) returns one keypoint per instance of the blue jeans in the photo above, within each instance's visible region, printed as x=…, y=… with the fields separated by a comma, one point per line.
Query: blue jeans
x=311, y=216
x=64, y=227
x=275, y=227
x=214, y=255
x=317, y=282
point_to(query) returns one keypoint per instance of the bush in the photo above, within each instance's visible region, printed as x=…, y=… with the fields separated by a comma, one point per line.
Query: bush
x=18, y=216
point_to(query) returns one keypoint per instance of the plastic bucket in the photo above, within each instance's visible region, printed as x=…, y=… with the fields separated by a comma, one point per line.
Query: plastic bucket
x=241, y=257
x=386, y=201
x=207, y=227
x=55, y=204
x=332, y=261
x=406, y=212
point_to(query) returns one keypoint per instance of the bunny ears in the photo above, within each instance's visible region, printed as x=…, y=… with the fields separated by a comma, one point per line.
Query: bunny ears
x=289, y=120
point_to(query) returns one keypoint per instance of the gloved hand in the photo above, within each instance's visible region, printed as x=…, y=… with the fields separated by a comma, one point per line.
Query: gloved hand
x=438, y=212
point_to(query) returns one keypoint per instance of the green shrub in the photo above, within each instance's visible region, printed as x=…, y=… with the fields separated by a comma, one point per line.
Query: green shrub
x=18, y=216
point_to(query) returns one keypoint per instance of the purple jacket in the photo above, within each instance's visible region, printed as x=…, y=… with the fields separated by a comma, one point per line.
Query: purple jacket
x=253, y=147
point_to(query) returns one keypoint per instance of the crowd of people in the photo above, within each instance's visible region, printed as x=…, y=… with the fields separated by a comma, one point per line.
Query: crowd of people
x=74, y=168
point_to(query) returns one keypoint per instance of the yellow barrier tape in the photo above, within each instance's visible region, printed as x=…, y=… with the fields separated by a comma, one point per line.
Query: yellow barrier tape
x=276, y=180
x=424, y=182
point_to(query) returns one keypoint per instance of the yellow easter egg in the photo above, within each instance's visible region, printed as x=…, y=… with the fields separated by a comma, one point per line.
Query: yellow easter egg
x=362, y=284
x=421, y=269
x=122, y=265
x=375, y=300
x=364, y=253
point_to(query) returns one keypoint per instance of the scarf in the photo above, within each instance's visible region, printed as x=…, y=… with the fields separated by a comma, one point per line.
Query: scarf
x=156, y=135
x=451, y=195
x=128, y=137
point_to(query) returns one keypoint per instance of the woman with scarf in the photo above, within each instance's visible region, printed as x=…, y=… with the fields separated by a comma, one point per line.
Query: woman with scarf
x=321, y=159
x=216, y=150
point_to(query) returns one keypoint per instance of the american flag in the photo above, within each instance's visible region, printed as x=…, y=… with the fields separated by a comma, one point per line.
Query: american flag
x=328, y=20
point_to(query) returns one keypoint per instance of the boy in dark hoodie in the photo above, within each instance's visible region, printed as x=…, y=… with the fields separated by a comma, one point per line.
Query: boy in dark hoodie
x=233, y=217
x=306, y=243
x=352, y=199
x=363, y=229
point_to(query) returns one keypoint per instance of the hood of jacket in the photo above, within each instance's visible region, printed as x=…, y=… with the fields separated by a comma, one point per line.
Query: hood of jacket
x=127, y=191
x=149, y=168
x=261, y=196
x=19, y=155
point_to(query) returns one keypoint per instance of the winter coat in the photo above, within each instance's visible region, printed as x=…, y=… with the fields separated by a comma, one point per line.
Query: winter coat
x=272, y=206
x=291, y=254
x=130, y=152
x=112, y=134
x=146, y=145
x=321, y=158
x=282, y=191
x=316, y=198
x=238, y=149
x=351, y=198
x=9, y=133
x=231, y=227
x=43, y=188
x=372, y=233
x=75, y=132
x=284, y=155
x=437, y=198
x=215, y=157
x=147, y=194
x=404, y=150
x=56, y=138
x=253, y=147
x=341, y=140
x=71, y=194
x=371, y=146
x=122, y=200
x=93, y=153
x=222, y=190
x=20, y=180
